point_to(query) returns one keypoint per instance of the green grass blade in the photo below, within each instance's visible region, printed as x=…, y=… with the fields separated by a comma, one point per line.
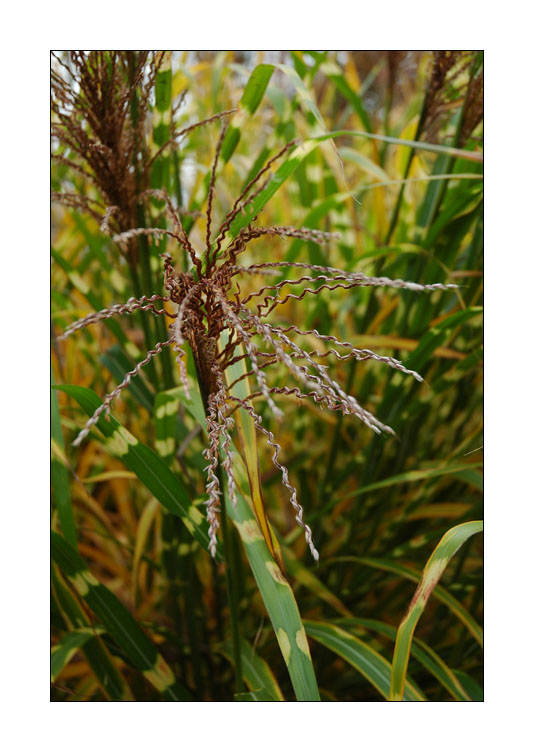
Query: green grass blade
x=279, y=601
x=163, y=94
x=472, y=156
x=437, y=335
x=304, y=93
x=256, y=87
x=149, y=468
x=335, y=74
x=422, y=179
x=414, y=575
x=110, y=679
x=59, y=475
x=366, y=165
x=256, y=673
x=118, y=621
x=260, y=695
x=475, y=691
x=442, y=554
x=412, y=476
x=250, y=101
x=370, y=664
x=161, y=123
x=62, y=653
x=421, y=652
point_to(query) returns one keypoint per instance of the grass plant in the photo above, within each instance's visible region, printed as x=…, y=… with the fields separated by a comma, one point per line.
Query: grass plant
x=232, y=238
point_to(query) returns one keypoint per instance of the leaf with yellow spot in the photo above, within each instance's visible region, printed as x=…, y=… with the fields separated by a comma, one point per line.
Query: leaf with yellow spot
x=275, y=572
x=160, y=676
x=151, y=470
x=249, y=531
x=442, y=554
x=99, y=659
x=275, y=590
x=361, y=656
x=302, y=643
x=118, y=621
x=285, y=645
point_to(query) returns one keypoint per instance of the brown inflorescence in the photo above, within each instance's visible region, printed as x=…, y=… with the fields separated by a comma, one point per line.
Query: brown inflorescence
x=207, y=304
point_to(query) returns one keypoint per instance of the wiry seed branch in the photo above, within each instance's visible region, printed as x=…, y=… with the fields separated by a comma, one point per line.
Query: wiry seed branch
x=326, y=384
x=104, y=407
x=239, y=203
x=172, y=141
x=303, y=233
x=363, y=354
x=133, y=304
x=251, y=351
x=219, y=427
x=209, y=262
x=356, y=276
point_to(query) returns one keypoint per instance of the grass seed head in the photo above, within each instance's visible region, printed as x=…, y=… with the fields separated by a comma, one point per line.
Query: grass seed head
x=206, y=296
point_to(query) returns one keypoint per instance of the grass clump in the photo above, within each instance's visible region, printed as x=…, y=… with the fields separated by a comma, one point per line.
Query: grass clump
x=275, y=308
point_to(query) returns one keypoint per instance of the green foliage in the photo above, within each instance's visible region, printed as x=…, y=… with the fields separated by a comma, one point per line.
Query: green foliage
x=141, y=611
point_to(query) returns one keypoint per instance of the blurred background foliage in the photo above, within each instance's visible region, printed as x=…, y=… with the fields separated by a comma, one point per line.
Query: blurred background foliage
x=377, y=506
